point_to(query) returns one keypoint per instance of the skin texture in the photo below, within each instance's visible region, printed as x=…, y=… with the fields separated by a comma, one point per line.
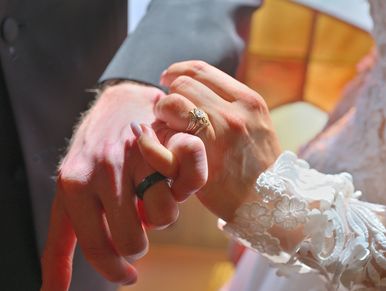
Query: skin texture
x=240, y=142
x=95, y=204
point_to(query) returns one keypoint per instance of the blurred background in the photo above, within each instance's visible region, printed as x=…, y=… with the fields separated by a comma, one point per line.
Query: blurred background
x=299, y=58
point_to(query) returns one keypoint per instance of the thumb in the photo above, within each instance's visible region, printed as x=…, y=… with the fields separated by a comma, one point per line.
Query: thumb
x=158, y=156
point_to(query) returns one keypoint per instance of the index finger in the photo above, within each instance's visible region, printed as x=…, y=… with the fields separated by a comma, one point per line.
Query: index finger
x=219, y=82
x=59, y=251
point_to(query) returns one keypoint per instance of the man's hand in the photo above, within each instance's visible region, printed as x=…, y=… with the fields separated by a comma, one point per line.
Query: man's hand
x=95, y=201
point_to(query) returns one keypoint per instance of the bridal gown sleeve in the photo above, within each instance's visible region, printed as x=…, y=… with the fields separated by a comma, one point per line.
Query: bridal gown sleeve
x=305, y=221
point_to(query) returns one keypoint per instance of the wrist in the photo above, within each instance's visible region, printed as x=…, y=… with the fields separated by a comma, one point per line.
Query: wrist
x=271, y=152
x=128, y=89
x=122, y=82
x=243, y=190
x=114, y=82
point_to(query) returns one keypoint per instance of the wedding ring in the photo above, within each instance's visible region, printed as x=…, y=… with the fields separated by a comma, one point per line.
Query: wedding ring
x=147, y=182
x=198, y=120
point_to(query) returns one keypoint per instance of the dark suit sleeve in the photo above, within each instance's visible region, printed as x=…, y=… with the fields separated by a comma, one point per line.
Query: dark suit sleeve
x=176, y=30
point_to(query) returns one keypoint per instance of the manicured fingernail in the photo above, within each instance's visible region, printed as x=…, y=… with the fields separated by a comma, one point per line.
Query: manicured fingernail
x=137, y=130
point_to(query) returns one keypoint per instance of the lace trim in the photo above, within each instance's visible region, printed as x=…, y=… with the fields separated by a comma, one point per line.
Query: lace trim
x=341, y=238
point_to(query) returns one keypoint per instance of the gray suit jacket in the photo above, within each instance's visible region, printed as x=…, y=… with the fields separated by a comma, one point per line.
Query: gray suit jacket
x=59, y=48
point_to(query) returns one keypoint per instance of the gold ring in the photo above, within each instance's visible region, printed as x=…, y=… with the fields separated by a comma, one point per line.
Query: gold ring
x=197, y=121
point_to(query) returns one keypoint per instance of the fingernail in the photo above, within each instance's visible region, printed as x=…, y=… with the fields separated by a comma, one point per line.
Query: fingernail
x=130, y=281
x=162, y=77
x=164, y=73
x=146, y=129
x=135, y=257
x=137, y=130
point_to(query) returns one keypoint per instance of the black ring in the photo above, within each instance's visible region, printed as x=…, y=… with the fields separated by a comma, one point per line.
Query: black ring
x=147, y=182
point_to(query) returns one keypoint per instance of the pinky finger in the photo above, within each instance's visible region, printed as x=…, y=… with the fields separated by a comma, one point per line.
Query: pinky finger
x=193, y=166
x=183, y=159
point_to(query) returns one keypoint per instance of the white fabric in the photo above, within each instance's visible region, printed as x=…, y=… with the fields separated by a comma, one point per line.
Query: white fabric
x=343, y=239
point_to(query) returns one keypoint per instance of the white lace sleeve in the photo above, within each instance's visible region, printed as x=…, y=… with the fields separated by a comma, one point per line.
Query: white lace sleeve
x=308, y=221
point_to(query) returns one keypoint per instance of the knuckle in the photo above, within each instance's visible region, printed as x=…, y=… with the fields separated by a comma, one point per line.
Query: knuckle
x=173, y=103
x=105, y=154
x=197, y=67
x=180, y=83
x=173, y=98
x=109, y=157
x=236, y=123
x=96, y=254
x=73, y=176
x=78, y=172
x=255, y=102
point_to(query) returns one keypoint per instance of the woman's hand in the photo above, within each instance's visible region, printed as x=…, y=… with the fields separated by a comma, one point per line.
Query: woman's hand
x=240, y=141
